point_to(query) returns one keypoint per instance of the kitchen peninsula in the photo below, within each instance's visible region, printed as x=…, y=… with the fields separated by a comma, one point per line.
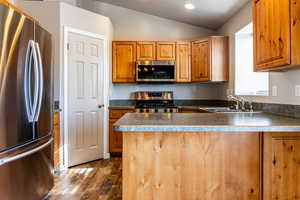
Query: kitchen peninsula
x=211, y=156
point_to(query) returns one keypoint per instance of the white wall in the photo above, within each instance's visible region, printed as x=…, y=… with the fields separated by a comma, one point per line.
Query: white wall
x=48, y=15
x=133, y=25
x=285, y=81
x=181, y=91
x=54, y=15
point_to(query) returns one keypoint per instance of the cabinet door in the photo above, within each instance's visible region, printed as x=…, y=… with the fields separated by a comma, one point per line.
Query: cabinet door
x=56, y=137
x=165, y=50
x=201, y=61
x=183, y=61
x=124, y=58
x=146, y=51
x=281, y=166
x=272, y=28
x=115, y=139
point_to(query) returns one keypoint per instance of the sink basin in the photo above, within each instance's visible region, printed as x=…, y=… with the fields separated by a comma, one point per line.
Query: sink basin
x=226, y=110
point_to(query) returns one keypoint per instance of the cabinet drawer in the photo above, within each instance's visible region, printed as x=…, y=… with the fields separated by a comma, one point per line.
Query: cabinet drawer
x=117, y=114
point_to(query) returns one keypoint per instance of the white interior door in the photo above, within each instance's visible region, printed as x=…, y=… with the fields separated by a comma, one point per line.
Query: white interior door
x=85, y=97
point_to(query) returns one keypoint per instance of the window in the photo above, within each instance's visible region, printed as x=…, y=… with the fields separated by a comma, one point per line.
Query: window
x=248, y=82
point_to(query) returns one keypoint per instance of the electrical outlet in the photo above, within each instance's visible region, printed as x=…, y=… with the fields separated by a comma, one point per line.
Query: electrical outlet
x=274, y=91
x=297, y=90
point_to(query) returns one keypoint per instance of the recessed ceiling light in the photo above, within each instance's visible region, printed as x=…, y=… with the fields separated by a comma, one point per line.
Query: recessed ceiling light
x=189, y=6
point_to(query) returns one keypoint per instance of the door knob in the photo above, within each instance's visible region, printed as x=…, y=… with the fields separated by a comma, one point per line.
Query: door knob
x=101, y=106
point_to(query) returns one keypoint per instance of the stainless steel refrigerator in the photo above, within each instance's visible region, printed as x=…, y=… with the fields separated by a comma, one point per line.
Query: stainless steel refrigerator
x=26, y=109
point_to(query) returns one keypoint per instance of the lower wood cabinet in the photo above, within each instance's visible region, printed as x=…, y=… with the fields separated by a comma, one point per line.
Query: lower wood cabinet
x=281, y=166
x=56, y=138
x=191, y=166
x=116, y=137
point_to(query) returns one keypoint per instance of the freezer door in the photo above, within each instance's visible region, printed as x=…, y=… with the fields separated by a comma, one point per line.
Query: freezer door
x=26, y=173
x=45, y=112
x=15, y=33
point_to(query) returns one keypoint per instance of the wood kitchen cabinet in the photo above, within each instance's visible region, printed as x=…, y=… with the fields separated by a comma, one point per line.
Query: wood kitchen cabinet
x=115, y=137
x=183, y=61
x=146, y=50
x=210, y=59
x=281, y=166
x=124, y=58
x=276, y=28
x=165, y=50
x=190, y=166
x=56, y=138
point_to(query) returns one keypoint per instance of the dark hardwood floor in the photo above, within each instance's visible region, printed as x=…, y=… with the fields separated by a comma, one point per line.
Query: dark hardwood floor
x=98, y=180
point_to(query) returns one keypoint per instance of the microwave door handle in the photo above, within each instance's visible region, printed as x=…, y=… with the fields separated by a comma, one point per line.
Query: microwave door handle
x=41, y=82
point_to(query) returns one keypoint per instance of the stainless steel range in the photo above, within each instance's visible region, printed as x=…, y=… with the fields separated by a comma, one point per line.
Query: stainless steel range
x=154, y=102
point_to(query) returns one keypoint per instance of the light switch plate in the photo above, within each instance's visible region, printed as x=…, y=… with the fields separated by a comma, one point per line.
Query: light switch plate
x=274, y=91
x=297, y=90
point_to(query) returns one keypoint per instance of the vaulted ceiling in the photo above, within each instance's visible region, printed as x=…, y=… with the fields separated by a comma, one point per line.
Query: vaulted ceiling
x=208, y=13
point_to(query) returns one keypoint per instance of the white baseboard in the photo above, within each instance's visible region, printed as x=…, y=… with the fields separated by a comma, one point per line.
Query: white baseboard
x=106, y=155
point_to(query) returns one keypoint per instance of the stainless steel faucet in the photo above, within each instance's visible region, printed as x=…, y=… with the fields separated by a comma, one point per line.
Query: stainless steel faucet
x=241, y=103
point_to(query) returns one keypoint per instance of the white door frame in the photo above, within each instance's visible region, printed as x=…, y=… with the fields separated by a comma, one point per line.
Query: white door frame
x=64, y=92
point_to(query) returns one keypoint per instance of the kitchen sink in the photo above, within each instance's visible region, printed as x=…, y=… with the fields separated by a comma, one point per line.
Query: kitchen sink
x=226, y=110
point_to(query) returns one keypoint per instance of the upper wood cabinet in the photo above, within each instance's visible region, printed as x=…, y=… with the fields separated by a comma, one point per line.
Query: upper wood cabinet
x=124, y=58
x=276, y=34
x=183, y=61
x=281, y=156
x=166, y=50
x=146, y=50
x=210, y=57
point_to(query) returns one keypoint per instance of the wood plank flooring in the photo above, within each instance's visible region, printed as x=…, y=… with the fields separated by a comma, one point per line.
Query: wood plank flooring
x=98, y=180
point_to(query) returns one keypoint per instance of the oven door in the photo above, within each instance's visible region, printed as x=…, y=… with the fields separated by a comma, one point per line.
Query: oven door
x=155, y=71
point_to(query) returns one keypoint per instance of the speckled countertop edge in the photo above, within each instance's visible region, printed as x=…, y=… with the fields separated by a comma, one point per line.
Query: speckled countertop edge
x=204, y=128
x=259, y=122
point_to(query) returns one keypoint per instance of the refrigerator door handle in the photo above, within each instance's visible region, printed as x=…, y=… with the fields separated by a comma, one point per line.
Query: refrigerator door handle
x=41, y=82
x=9, y=159
x=31, y=104
x=27, y=78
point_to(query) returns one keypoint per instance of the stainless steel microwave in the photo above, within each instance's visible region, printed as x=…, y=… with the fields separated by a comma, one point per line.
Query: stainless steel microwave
x=156, y=71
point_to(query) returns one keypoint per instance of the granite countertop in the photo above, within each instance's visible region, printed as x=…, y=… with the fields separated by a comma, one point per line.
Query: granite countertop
x=206, y=122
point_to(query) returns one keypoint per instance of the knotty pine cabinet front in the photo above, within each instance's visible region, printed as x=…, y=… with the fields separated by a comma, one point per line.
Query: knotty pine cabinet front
x=146, y=50
x=276, y=27
x=124, y=58
x=166, y=50
x=281, y=166
x=210, y=59
x=183, y=61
